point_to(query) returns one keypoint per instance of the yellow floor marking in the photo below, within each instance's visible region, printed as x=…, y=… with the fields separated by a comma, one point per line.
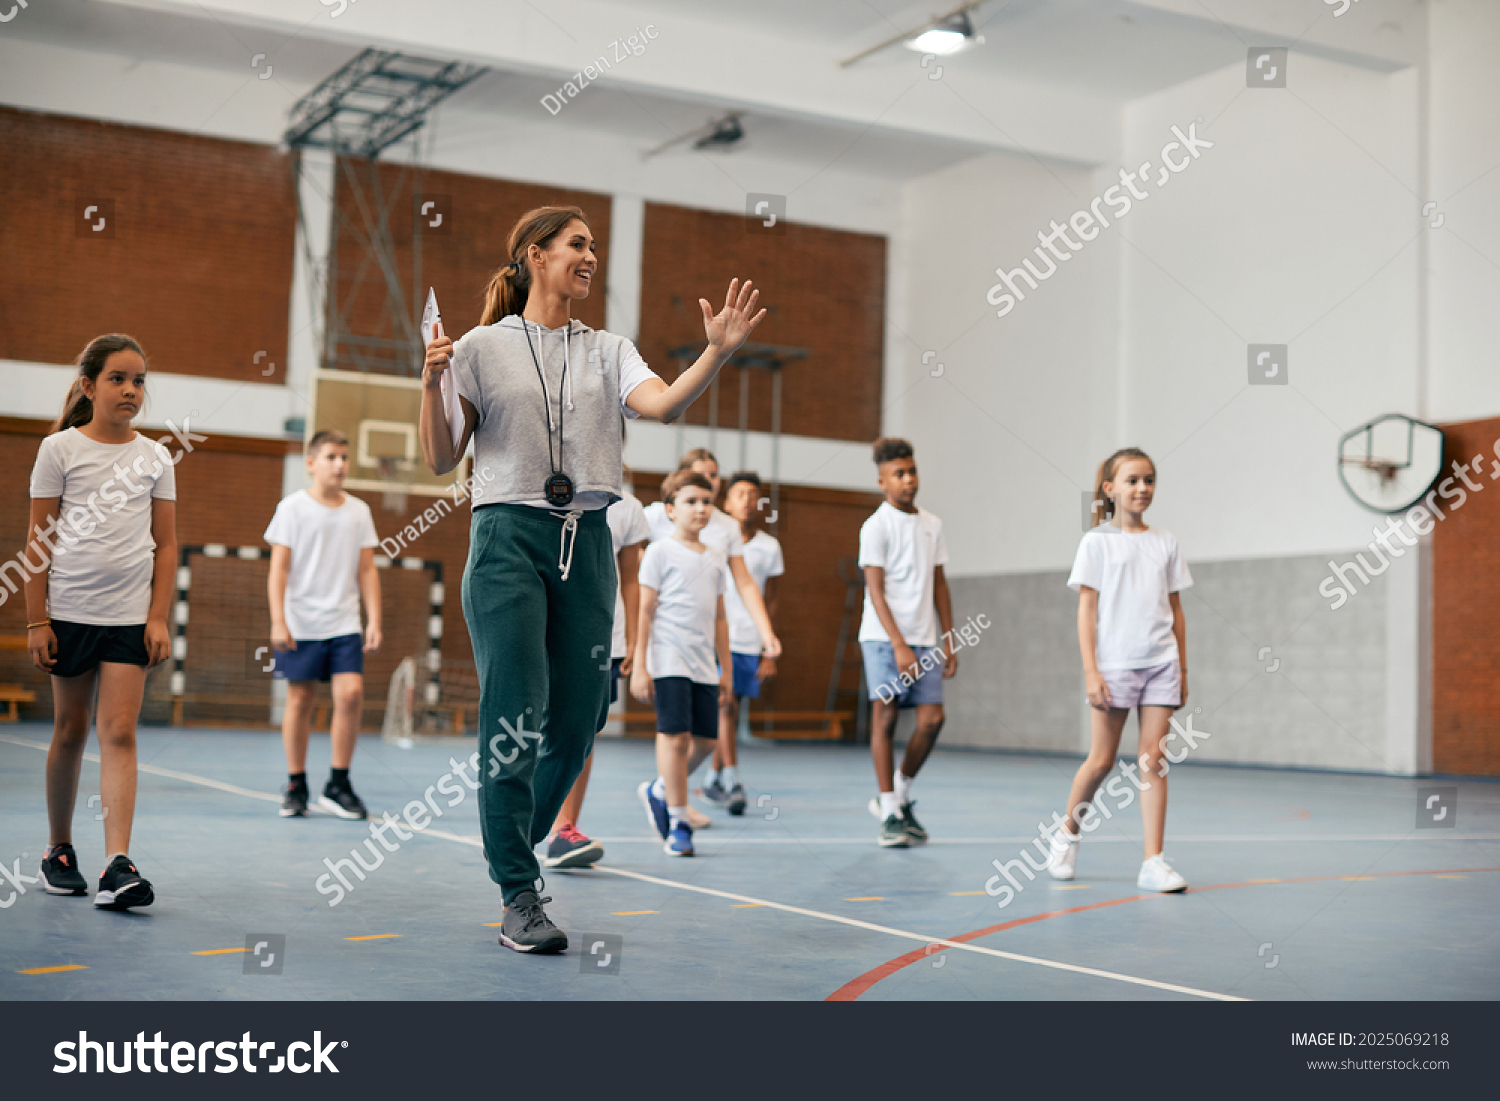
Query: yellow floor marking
x=1450, y=877
x=1070, y=886
x=959, y=894
x=494, y=924
x=375, y=936
x=219, y=951
x=747, y=905
x=1265, y=881
x=634, y=913
x=54, y=970
x=867, y=898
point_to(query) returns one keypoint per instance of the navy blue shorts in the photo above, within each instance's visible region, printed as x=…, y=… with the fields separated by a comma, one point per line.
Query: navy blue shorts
x=746, y=683
x=82, y=646
x=684, y=706
x=321, y=658
x=614, y=679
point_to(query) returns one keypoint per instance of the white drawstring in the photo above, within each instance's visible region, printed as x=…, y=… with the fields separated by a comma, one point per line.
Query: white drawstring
x=565, y=547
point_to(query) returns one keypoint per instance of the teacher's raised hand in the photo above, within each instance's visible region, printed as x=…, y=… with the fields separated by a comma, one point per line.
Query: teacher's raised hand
x=727, y=329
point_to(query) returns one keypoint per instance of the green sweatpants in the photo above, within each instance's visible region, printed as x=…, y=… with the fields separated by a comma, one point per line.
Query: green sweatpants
x=541, y=649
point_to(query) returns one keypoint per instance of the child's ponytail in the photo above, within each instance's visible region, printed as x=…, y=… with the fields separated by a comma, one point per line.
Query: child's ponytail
x=77, y=409
x=1104, y=505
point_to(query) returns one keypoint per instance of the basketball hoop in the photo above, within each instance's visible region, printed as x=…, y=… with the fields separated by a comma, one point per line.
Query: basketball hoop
x=1380, y=482
x=395, y=472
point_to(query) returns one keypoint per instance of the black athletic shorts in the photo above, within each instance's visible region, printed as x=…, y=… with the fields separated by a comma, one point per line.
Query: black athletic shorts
x=684, y=706
x=82, y=646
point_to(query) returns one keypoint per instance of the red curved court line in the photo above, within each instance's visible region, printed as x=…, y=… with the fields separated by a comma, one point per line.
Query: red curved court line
x=852, y=989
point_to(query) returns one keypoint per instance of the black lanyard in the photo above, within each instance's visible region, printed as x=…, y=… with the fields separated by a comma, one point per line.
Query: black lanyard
x=559, y=487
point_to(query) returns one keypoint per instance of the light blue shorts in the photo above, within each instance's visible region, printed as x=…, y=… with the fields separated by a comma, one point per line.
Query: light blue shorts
x=1159, y=686
x=885, y=680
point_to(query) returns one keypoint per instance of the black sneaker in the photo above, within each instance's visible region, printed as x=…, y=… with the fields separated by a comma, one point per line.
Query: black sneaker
x=294, y=800
x=341, y=800
x=60, y=875
x=893, y=833
x=121, y=887
x=736, y=801
x=571, y=849
x=526, y=927
x=714, y=793
x=914, y=828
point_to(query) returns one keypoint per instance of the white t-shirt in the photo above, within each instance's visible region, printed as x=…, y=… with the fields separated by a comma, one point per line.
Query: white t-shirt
x=627, y=527
x=909, y=546
x=688, y=586
x=763, y=560
x=322, y=586
x=1134, y=573
x=106, y=556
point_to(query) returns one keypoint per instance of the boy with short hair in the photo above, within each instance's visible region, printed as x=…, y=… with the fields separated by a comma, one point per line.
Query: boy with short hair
x=322, y=561
x=752, y=668
x=682, y=658
x=902, y=552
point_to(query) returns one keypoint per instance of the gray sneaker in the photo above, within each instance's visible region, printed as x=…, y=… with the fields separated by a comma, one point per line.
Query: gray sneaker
x=526, y=927
x=914, y=828
x=715, y=794
x=893, y=833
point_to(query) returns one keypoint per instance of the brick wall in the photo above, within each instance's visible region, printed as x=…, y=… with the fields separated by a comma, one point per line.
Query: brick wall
x=1466, y=615
x=824, y=290
x=455, y=258
x=195, y=258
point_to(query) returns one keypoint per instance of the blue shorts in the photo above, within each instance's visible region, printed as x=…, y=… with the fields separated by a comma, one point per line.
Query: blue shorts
x=746, y=683
x=684, y=706
x=885, y=681
x=321, y=658
x=614, y=679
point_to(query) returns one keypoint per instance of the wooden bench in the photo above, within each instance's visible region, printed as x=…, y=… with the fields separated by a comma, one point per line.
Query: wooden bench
x=804, y=725
x=13, y=694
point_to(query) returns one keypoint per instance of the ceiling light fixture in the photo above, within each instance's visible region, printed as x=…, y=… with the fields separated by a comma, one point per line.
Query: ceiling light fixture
x=943, y=35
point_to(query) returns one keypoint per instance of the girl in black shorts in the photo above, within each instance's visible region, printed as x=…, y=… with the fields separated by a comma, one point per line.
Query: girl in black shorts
x=100, y=564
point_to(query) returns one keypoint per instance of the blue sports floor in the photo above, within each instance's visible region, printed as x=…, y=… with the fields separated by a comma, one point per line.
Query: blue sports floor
x=1303, y=886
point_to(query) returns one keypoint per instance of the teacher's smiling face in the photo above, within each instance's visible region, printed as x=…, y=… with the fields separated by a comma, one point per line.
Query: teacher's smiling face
x=566, y=267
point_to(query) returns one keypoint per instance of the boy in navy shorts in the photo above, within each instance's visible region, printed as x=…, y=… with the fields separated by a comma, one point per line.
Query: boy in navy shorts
x=322, y=561
x=901, y=551
x=682, y=654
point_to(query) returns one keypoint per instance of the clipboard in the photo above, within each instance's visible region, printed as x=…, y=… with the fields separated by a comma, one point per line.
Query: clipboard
x=432, y=327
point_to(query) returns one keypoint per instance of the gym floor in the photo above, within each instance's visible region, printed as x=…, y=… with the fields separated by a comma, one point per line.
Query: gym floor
x=1304, y=885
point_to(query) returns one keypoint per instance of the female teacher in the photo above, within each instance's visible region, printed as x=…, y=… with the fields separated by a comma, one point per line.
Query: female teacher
x=541, y=396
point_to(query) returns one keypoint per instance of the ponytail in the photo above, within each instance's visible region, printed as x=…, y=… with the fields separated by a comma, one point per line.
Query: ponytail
x=1104, y=505
x=510, y=286
x=77, y=408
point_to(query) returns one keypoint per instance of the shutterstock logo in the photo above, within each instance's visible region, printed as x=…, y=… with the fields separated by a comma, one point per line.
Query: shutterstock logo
x=186, y=1057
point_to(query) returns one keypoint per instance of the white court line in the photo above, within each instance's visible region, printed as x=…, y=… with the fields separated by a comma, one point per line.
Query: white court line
x=836, y=918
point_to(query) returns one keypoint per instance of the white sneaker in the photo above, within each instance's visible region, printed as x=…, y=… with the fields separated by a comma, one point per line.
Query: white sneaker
x=697, y=819
x=1158, y=875
x=1063, y=855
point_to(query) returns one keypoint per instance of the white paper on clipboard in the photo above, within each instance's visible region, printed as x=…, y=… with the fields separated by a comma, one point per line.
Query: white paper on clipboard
x=432, y=327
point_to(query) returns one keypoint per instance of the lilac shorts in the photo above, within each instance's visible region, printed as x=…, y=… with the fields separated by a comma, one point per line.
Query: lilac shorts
x=1158, y=686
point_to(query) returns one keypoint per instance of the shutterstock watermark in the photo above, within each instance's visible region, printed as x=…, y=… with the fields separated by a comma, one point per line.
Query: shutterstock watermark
x=1340, y=586
x=418, y=814
x=81, y=521
x=1087, y=223
x=1088, y=815
x=622, y=48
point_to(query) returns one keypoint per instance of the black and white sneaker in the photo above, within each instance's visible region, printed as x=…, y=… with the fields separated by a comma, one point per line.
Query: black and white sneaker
x=60, y=874
x=294, y=800
x=121, y=887
x=341, y=800
x=571, y=849
x=526, y=927
x=735, y=804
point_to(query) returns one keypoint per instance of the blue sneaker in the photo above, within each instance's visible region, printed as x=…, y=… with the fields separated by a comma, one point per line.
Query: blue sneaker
x=656, y=809
x=679, y=840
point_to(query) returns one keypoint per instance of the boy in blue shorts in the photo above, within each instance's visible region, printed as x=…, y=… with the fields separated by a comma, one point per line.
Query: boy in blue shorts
x=682, y=654
x=322, y=561
x=901, y=550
